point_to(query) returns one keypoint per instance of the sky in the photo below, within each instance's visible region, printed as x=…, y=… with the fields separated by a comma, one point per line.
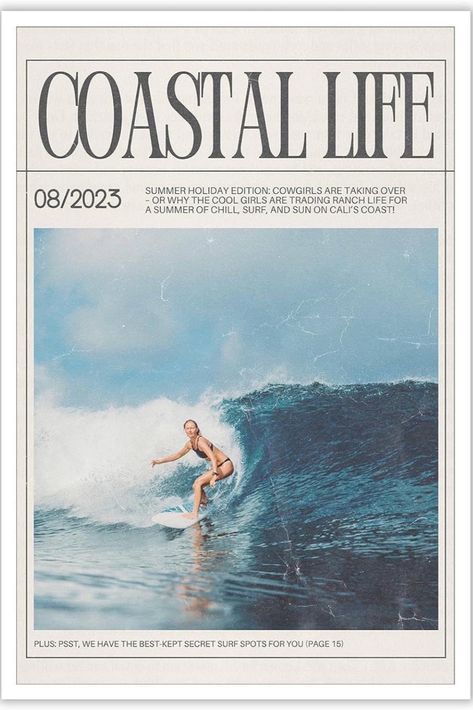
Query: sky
x=126, y=316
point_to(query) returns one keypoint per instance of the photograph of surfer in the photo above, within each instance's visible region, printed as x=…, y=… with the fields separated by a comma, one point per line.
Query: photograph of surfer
x=308, y=357
x=222, y=466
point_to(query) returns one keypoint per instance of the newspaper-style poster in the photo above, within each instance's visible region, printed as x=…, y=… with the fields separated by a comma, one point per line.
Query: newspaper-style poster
x=235, y=320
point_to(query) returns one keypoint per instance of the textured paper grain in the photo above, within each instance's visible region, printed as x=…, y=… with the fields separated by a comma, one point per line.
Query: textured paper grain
x=391, y=656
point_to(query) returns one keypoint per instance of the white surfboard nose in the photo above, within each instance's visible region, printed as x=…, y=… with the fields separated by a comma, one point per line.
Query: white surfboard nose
x=176, y=520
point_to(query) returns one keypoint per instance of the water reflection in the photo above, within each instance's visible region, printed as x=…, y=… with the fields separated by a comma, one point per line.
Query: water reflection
x=194, y=591
x=217, y=575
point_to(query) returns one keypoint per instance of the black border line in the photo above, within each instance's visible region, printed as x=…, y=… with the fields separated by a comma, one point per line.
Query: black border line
x=256, y=658
x=236, y=171
x=453, y=351
x=27, y=522
x=239, y=27
x=321, y=683
x=444, y=532
x=454, y=331
x=17, y=438
x=213, y=59
x=64, y=59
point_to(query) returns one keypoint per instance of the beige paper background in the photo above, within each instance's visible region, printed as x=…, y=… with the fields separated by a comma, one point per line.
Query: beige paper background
x=366, y=657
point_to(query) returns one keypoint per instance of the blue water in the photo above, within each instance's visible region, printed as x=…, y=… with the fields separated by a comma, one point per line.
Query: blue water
x=330, y=521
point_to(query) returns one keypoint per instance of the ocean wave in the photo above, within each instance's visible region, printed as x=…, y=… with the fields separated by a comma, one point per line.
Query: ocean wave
x=96, y=464
x=356, y=461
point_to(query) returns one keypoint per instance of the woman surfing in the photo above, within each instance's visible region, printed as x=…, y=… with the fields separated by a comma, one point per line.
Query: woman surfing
x=222, y=466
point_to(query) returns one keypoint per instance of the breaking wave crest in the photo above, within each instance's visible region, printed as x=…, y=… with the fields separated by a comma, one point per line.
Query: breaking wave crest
x=359, y=462
x=96, y=464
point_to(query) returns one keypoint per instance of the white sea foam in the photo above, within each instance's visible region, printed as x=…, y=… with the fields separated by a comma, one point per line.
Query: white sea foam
x=97, y=463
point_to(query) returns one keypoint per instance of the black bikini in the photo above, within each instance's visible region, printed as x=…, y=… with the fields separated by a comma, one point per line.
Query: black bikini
x=202, y=455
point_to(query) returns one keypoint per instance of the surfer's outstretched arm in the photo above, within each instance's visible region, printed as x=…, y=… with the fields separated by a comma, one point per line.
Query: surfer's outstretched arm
x=172, y=457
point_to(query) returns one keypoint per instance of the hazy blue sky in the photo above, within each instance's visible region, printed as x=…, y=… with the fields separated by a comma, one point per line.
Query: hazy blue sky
x=123, y=316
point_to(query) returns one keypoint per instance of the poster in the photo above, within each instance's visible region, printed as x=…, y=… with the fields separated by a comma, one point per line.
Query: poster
x=235, y=311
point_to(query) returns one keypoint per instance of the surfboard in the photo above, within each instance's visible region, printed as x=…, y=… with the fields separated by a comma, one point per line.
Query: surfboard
x=174, y=519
